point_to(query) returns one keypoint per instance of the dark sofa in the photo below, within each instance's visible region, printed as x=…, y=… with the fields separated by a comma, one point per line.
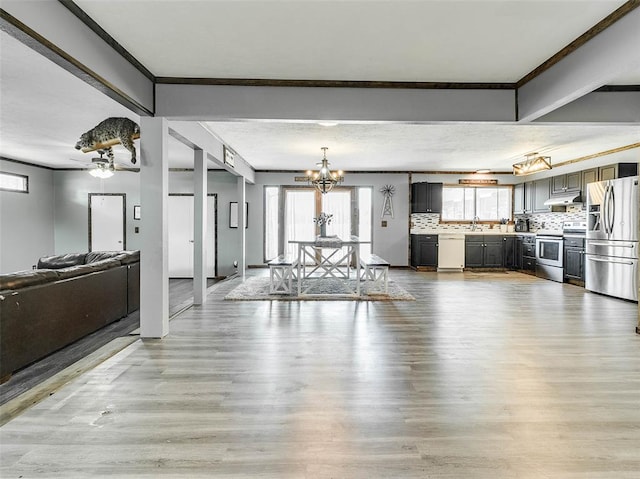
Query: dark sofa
x=66, y=298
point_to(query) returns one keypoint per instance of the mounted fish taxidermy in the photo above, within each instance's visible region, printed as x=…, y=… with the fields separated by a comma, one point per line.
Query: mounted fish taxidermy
x=110, y=132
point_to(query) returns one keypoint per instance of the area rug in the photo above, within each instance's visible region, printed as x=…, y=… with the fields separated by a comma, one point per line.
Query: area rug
x=329, y=289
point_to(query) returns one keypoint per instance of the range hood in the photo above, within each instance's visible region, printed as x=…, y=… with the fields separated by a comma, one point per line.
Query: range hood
x=562, y=200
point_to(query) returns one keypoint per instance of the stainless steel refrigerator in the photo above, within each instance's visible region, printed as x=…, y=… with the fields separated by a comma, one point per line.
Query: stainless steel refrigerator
x=611, y=262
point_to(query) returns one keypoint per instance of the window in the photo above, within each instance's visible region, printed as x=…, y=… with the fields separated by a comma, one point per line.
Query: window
x=463, y=203
x=13, y=182
x=351, y=209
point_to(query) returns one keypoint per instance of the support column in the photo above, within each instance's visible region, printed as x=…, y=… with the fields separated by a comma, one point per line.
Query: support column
x=154, y=199
x=199, y=227
x=242, y=221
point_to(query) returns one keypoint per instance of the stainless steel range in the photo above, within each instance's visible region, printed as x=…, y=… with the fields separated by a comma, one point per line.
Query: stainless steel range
x=550, y=255
x=550, y=249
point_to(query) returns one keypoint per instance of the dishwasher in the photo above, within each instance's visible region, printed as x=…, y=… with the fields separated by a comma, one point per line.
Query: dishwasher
x=450, y=252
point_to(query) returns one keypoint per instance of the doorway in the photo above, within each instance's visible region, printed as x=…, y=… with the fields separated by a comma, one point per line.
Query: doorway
x=107, y=222
x=181, y=243
x=302, y=205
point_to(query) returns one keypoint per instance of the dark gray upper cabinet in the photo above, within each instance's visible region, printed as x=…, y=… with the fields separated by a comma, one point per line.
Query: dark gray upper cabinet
x=523, y=198
x=426, y=197
x=617, y=170
x=569, y=183
x=589, y=176
x=541, y=193
x=518, y=199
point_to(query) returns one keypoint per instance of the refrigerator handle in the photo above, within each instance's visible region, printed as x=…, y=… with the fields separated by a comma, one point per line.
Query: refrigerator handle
x=611, y=214
x=603, y=210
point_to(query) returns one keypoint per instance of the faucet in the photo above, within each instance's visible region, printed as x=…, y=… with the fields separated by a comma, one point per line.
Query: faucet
x=474, y=223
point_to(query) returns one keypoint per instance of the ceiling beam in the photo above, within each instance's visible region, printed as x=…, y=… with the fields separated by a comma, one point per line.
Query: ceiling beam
x=599, y=107
x=224, y=102
x=196, y=136
x=55, y=32
x=601, y=60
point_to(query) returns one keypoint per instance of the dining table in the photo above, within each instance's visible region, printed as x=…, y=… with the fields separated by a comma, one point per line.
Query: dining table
x=327, y=257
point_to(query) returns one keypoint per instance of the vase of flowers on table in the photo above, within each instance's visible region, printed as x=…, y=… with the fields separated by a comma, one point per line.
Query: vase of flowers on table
x=323, y=220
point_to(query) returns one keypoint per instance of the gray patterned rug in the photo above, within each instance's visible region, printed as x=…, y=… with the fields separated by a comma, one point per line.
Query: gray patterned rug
x=328, y=289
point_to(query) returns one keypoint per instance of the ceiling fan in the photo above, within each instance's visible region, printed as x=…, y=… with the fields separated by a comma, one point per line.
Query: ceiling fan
x=104, y=168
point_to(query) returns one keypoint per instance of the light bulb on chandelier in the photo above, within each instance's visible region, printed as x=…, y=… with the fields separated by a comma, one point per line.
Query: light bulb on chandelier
x=324, y=179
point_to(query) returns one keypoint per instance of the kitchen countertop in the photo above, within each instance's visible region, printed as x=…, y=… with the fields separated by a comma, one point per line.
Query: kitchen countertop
x=476, y=232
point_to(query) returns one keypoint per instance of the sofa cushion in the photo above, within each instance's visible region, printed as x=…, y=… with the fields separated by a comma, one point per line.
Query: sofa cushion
x=94, y=256
x=61, y=260
x=81, y=269
x=22, y=279
x=74, y=271
x=128, y=257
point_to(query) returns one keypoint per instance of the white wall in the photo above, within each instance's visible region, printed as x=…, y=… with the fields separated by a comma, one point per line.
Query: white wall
x=72, y=190
x=224, y=184
x=26, y=220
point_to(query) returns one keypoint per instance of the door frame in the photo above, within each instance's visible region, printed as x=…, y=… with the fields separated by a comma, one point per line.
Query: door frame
x=215, y=227
x=124, y=217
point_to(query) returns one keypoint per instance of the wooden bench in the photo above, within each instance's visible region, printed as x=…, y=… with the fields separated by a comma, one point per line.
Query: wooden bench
x=375, y=270
x=282, y=274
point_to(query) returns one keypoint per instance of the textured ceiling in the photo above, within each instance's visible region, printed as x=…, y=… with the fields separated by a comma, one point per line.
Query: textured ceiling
x=395, y=146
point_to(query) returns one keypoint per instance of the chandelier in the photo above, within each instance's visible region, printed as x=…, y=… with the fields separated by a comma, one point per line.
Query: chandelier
x=324, y=179
x=532, y=164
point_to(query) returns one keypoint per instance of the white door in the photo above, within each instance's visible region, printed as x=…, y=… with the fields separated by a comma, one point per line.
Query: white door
x=107, y=222
x=181, y=242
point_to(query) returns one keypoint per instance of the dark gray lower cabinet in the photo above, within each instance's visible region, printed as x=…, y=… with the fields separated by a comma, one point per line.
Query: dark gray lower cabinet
x=424, y=250
x=574, y=260
x=510, y=257
x=528, y=262
x=484, y=251
x=474, y=251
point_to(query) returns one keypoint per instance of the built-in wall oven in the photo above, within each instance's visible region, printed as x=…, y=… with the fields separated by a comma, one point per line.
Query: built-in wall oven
x=550, y=255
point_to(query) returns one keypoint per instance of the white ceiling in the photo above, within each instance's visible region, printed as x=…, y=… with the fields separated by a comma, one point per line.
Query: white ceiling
x=393, y=40
x=44, y=109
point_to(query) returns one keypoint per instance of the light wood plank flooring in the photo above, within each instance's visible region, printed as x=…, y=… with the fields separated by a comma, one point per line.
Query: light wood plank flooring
x=180, y=298
x=489, y=375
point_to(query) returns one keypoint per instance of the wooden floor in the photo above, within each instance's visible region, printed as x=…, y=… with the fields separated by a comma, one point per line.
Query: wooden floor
x=180, y=298
x=488, y=375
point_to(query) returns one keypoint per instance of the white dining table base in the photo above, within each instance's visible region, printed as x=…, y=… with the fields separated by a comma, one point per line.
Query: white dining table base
x=328, y=260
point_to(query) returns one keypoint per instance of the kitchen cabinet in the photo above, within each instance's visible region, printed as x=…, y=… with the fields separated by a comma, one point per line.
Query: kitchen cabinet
x=426, y=197
x=617, y=170
x=523, y=198
x=517, y=253
x=569, y=183
x=528, y=261
x=518, y=199
x=484, y=251
x=608, y=172
x=589, y=176
x=509, y=252
x=574, y=260
x=541, y=193
x=424, y=250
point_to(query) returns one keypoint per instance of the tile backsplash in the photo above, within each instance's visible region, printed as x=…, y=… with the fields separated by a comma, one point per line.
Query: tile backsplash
x=430, y=222
x=553, y=221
